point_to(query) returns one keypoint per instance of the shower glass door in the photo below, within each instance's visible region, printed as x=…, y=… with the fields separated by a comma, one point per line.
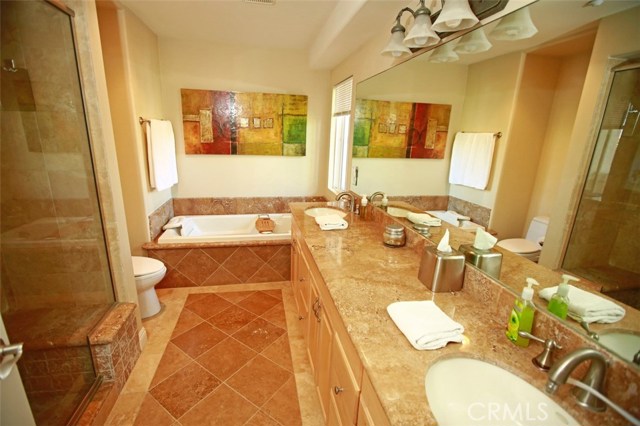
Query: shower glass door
x=55, y=282
x=604, y=245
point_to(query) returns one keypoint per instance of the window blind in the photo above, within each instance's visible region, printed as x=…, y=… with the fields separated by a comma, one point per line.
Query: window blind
x=342, y=97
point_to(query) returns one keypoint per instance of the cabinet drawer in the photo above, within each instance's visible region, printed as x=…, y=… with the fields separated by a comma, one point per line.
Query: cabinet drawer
x=345, y=389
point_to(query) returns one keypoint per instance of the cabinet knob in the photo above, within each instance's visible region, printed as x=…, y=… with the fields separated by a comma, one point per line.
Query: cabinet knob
x=300, y=317
x=338, y=389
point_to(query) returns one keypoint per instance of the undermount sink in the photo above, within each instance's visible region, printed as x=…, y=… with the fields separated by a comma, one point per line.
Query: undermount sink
x=465, y=391
x=324, y=211
x=397, y=211
x=624, y=343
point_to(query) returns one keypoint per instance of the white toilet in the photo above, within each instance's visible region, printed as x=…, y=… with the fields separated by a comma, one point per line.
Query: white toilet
x=531, y=246
x=148, y=272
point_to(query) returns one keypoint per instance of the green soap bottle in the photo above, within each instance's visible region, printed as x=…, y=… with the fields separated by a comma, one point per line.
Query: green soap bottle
x=521, y=318
x=559, y=302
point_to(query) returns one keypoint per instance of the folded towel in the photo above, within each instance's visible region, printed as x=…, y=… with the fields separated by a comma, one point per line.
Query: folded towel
x=424, y=219
x=330, y=222
x=189, y=228
x=424, y=324
x=457, y=215
x=588, y=307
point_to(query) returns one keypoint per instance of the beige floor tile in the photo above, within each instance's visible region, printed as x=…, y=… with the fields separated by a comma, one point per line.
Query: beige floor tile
x=125, y=409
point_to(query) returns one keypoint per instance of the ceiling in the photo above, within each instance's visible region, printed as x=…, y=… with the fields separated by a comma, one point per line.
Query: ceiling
x=327, y=29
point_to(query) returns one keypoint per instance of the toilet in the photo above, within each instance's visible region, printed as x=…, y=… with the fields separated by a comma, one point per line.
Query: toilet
x=148, y=272
x=530, y=246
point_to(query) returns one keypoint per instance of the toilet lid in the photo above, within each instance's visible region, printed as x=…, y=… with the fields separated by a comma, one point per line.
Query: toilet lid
x=145, y=265
x=520, y=245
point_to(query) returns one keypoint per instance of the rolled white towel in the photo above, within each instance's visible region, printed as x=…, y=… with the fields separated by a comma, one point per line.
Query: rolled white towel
x=174, y=222
x=330, y=222
x=457, y=215
x=424, y=324
x=423, y=219
x=189, y=228
x=588, y=307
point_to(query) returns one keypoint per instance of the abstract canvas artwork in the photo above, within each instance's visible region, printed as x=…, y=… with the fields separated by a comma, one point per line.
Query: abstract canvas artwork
x=233, y=123
x=385, y=129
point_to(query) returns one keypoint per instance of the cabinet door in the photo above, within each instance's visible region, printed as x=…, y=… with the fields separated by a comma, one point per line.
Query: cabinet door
x=300, y=286
x=313, y=336
x=345, y=390
x=370, y=411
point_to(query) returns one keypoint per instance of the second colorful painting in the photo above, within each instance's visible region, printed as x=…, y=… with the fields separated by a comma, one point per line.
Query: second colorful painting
x=233, y=123
x=385, y=129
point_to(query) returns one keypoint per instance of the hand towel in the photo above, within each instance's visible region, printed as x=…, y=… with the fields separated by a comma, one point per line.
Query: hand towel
x=161, y=154
x=330, y=222
x=471, y=159
x=457, y=215
x=588, y=307
x=424, y=219
x=424, y=324
x=174, y=222
x=189, y=228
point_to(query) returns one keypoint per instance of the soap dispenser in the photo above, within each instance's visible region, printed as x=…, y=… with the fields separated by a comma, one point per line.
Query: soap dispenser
x=385, y=203
x=559, y=302
x=521, y=318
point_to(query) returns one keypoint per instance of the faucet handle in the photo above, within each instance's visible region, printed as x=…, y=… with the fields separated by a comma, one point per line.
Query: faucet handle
x=542, y=361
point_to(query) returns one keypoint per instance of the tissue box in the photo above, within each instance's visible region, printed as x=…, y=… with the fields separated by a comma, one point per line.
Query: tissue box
x=490, y=261
x=441, y=272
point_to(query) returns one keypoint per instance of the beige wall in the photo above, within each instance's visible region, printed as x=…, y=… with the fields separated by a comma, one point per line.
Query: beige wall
x=411, y=82
x=618, y=36
x=198, y=65
x=572, y=72
x=488, y=107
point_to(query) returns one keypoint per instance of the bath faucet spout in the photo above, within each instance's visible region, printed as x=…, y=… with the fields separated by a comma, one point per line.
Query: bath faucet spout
x=594, y=378
x=349, y=195
x=374, y=195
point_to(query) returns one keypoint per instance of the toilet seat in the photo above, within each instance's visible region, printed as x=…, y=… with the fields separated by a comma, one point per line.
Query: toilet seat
x=520, y=245
x=146, y=266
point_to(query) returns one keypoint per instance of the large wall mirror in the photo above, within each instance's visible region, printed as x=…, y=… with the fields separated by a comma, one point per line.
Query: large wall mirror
x=529, y=90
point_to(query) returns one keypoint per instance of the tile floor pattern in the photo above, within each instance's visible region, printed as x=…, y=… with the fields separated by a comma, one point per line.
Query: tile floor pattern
x=228, y=362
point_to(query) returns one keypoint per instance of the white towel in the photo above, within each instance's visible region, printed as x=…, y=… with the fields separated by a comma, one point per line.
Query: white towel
x=457, y=215
x=588, y=307
x=423, y=219
x=330, y=222
x=424, y=324
x=174, y=222
x=161, y=154
x=471, y=159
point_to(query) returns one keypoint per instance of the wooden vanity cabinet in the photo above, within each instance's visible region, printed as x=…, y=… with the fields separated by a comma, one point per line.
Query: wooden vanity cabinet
x=300, y=281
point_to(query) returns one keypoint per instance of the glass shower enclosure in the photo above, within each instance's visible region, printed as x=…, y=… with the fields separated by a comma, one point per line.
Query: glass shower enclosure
x=604, y=245
x=55, y=275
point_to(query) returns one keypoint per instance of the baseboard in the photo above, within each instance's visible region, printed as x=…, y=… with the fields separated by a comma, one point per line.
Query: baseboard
x=142, y=337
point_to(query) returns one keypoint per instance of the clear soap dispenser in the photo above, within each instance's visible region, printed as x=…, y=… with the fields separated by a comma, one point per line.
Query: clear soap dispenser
x=521, y=318
x=559, y=302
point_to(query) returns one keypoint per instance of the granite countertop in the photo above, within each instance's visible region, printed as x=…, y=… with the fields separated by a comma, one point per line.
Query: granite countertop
x=363, y=277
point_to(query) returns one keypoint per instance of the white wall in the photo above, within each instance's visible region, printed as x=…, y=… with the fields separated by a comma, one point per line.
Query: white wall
x=618, y=36
x=413, y=81
x=199, y=65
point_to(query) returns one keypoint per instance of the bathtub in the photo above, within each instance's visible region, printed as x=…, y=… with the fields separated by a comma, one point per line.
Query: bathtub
x=229, y=228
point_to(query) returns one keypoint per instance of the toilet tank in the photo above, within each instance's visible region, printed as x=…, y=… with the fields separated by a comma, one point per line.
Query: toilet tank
x=538, y=228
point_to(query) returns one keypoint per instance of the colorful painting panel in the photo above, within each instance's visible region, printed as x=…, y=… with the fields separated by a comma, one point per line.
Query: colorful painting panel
x=231, y=123
x=385, y=129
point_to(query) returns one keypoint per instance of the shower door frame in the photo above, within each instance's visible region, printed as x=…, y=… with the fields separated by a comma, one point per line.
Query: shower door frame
x=614, y=65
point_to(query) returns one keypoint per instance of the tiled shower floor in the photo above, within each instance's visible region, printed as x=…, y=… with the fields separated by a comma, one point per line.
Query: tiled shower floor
x=221, y=357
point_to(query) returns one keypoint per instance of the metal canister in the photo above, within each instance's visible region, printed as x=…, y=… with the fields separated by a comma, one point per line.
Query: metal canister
x=394, y=235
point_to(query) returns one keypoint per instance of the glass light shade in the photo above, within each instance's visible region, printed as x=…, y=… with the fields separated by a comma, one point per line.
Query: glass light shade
x=443, y=54
x=455, y=15
x=395, y=47
x=516, y=26
x=421, y=34
x=474, y=42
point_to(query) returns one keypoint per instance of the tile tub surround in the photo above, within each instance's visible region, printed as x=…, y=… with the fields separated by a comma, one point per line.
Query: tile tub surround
x=222, y=361
x=222, y=264
x=477, y=213
x=214, y=205
x=364, y=277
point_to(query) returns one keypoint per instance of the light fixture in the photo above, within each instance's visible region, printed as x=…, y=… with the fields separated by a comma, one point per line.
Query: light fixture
x=421, y=33
x=474, y=42
x=516, y=26
x=443, y=54
x=455, y=15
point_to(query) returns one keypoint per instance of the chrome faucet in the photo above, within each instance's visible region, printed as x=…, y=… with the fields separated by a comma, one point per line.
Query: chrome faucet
x=594, y=378
x=350, y=202
x=636, y=358
x=375, y=194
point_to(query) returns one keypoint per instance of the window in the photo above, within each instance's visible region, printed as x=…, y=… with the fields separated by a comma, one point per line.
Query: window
x=340, y=131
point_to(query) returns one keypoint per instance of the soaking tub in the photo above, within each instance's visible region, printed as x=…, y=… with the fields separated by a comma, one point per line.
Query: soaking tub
x=229, y=228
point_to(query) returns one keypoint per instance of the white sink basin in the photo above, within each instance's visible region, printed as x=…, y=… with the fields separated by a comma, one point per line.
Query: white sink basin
x=464, y=391
x=624, y=343
x=397, y=211
x=324, y=211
